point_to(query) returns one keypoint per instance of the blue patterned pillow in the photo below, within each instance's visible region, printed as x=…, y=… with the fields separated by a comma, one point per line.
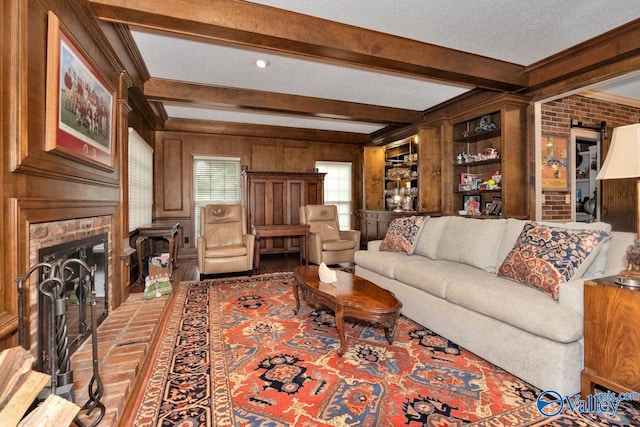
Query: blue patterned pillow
x=544, y=257
x=402, y=234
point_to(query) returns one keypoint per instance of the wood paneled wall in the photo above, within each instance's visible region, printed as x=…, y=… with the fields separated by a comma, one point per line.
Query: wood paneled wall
x=40, y=185
x=173, y=167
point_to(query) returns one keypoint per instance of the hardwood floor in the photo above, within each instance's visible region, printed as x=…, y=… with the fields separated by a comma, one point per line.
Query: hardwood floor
x=269, y=263
x=275, y=263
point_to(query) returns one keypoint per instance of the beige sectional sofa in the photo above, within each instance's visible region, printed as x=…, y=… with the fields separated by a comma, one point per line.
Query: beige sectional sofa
x=451, y=286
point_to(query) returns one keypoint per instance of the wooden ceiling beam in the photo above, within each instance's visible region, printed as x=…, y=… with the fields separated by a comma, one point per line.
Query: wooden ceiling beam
x=287, y=32
x=164, y=90
x=613, y=47
x=264, y=131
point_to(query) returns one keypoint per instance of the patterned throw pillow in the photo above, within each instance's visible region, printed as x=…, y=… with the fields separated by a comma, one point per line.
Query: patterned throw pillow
x=544, y=257
x=402, y=234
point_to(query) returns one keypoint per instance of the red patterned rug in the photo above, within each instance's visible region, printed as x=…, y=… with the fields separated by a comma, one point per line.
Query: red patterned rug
x=234, y=354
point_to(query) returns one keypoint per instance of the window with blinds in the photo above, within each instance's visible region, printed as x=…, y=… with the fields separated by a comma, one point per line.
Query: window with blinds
x=215, y=180
x=337, y=189
x=140, y=181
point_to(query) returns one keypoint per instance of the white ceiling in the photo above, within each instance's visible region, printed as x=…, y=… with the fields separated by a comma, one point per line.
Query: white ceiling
x=514, y=31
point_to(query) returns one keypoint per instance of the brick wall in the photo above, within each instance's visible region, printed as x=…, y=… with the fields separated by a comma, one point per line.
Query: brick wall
x=556, y=120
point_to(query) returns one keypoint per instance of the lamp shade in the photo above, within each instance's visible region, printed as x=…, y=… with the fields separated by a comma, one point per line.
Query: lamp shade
x=623, y=159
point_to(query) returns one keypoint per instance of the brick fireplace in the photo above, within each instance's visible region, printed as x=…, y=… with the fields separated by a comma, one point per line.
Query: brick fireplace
x=55, y=233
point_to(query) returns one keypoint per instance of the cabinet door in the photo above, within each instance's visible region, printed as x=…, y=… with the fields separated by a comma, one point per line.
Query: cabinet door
x=259, y=193
x=374, y=178
x=611, y=336
x=371, y=230
x=296, y=196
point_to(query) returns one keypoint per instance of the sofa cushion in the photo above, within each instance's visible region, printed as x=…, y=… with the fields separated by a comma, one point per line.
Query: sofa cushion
x=543, y=256
x=383, y=263
x=472, y=241
x=433, y=276
x=402, y=234
x=338, y=245
x=225, y=251
x=430, y=237
x=512, y=230
x=520, y=306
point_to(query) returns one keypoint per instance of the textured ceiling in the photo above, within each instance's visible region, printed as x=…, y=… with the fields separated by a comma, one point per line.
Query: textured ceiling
x=513, y=31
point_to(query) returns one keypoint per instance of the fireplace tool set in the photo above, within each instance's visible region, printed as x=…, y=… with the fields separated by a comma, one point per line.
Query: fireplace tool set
x=57, y=278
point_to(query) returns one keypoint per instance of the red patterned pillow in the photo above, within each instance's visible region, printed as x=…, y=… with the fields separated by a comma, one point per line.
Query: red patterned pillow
x=544, y=257
x=402, y=234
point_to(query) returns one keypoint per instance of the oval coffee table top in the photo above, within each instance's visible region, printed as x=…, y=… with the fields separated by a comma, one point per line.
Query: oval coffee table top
x=350, y=290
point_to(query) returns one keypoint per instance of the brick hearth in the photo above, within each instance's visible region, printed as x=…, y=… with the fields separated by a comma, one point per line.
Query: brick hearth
x=124, y=340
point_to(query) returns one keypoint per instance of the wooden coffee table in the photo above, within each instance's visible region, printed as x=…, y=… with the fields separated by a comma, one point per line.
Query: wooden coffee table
x=350, y=296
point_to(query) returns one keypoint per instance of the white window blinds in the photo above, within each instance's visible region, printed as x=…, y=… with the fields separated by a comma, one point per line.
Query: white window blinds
x=215, y=180
x=140, y=181
x=337, y=189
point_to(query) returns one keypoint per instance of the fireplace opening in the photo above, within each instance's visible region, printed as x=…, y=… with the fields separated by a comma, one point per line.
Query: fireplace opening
x=94, y=252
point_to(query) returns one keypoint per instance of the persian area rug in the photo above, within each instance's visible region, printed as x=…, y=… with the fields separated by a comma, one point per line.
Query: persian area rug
x=234, y=354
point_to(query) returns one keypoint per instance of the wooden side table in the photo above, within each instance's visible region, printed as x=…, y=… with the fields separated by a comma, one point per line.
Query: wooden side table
x=284, y=230
x=611, y=337
x=159, y=230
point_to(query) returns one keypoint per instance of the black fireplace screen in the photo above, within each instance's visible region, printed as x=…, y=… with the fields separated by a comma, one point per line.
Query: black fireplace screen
x=93, y=251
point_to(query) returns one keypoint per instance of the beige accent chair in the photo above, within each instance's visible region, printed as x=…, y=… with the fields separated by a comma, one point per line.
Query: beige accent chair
x=224, y=245
x=326, y=242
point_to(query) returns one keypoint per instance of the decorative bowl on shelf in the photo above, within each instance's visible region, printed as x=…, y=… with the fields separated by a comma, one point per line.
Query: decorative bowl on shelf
x=398, y=173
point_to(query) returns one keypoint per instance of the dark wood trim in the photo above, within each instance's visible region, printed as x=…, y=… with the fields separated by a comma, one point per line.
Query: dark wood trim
x=8, y=324
x=163, y=90
x=293, y=33
x=132, y=50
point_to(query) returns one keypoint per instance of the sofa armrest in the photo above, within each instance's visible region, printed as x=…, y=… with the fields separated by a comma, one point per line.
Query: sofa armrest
x=374, y=245
x=315, y=247
x=353, y=235
x=249, y=243
x=571, y=295
x=201, y=244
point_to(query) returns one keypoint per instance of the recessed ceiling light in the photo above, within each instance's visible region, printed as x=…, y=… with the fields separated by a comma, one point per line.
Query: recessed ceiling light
x=261, y=63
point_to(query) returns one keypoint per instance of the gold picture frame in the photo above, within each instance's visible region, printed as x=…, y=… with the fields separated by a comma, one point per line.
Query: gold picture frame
x=554, y=162
x=80, y=102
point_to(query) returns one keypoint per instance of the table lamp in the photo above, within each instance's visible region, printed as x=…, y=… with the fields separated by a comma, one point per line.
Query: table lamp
x=623, y=161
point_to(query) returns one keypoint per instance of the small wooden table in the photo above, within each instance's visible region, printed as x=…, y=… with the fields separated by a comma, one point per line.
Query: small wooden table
x=350, y=296
x=283, y=230
x=611, y=337
x=159, y=230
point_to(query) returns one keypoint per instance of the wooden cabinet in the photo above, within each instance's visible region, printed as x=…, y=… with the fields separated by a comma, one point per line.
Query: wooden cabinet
x=488, y=159
x=274, y=198
x=611, y=337
x=401, y=175
x=373, y=224
x=392, y=176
